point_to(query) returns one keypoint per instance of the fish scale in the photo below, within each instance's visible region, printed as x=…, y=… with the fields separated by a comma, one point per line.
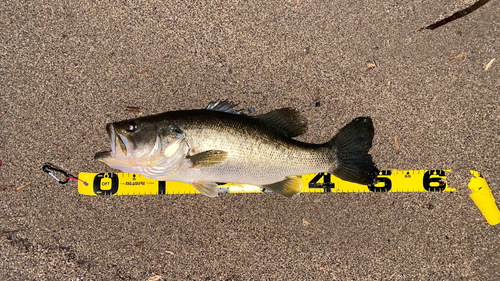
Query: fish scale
x=248, y=154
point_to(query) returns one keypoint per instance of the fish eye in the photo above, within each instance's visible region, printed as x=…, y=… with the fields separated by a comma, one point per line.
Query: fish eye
x=131, y=127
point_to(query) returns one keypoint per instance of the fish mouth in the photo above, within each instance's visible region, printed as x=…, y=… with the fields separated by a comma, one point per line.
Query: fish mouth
x=102, y=156
x=114, y=139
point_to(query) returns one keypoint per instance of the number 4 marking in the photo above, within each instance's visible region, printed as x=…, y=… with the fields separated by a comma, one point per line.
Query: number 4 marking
x=327, y=184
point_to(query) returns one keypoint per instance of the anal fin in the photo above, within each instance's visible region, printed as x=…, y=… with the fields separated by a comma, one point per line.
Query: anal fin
x=288, y=187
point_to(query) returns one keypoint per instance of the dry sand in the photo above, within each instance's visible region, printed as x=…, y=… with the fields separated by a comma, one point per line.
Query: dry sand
x=69, y=67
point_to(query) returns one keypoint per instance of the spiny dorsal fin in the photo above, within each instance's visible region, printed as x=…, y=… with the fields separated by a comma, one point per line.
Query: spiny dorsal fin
x=288, y=187
x=208, y=158
x=287, y=121
x=224, y=106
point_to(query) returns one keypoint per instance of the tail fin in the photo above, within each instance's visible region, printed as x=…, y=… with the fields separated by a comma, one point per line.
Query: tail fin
x=352, y=144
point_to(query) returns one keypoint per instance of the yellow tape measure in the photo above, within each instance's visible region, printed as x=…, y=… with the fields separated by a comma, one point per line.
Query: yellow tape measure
x=389, y=181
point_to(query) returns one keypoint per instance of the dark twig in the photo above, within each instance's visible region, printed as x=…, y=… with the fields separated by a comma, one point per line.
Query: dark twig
x=457, y=15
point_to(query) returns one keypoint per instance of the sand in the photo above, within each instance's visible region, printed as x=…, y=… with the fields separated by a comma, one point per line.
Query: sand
x=69, y=67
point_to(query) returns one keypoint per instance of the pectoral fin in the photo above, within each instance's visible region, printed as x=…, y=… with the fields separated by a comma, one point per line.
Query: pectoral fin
x=207, y=188
x=288, y=187
x=208, y=158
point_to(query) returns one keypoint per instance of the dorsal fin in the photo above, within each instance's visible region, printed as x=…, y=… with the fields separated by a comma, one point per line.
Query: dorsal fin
x=287, y=121
x=224, y=106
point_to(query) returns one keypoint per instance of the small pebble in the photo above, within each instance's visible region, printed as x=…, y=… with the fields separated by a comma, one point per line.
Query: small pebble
x=251, y=110
x=318, y=103
x=429, y=206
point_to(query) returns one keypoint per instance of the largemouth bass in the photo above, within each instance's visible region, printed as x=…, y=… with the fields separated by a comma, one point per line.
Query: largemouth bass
x=220, y=144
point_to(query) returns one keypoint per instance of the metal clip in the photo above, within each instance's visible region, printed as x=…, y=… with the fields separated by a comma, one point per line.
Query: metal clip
x=50, y=169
